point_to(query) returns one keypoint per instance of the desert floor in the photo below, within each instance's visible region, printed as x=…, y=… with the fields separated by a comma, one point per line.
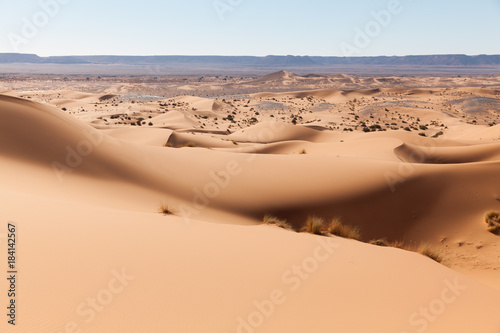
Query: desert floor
x=139, y=203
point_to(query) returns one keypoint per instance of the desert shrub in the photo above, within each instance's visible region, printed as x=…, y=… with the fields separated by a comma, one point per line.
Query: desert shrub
x=426, y=250
x=165, y=210
x=400, y=245
x=493, y=220
x=337, y=228
x=273, y=220
x=314, y=225
x=379, y=242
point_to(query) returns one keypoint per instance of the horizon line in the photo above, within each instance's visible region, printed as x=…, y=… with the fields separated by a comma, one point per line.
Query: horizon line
x=255, y=56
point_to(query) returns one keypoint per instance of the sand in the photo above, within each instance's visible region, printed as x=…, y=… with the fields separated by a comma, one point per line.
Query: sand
x=85, y=169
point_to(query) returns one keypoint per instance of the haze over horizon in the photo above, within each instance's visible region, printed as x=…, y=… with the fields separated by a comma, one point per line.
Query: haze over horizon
x=251, y=28
x=245, y=55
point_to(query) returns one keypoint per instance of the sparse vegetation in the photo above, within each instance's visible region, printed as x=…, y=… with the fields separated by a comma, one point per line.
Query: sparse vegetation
x=337, y=228
x=493, y=220
x=426, y=250
x=400, y=245
x=165, y=210
x=438, y=134
x=379, y=242
x=273, y=220
x=314, y=225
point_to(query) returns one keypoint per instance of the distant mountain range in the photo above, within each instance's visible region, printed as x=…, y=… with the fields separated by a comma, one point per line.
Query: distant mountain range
x=455, y=64
x=248, y=61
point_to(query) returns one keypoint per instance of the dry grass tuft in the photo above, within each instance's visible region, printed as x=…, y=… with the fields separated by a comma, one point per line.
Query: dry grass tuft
x=426, y=250
x=400, y=245
x=493, y=220
x=165, y=210
x=338, y=229
x=190, y=144
x=379, y=242
x=494, y=230
x=273, y=220
x=314, y=225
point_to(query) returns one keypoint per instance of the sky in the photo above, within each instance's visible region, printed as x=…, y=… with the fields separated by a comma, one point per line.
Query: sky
x=250, y=27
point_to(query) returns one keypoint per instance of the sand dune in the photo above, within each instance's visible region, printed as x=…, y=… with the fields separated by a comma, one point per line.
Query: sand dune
x=491, y=133
x=273, y=132
x=141, y=135
x=323, y=93
x=198, y=268
x=174, y=120
x=85, y=187
x=449, y=155
x=281, y=77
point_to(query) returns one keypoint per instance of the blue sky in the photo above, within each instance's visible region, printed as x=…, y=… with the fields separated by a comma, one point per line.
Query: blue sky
x=250, y=27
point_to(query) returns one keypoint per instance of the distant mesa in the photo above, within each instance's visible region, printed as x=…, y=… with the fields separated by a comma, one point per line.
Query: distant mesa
x=6, y=58
x=259, y=62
